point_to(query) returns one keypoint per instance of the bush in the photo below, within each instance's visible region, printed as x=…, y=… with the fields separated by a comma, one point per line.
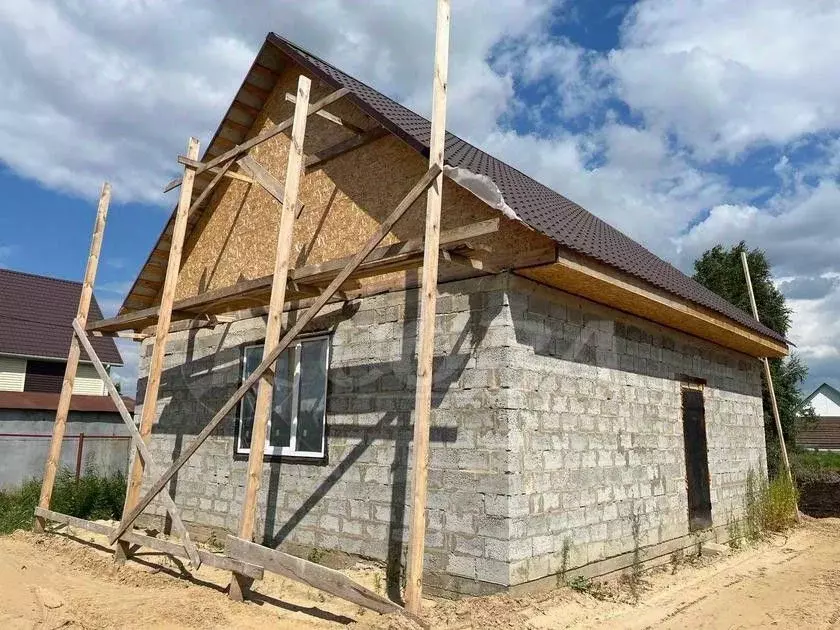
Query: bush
x=92, y=497
x=770, y=507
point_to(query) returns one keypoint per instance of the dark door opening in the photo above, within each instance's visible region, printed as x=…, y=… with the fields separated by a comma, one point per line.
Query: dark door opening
x=696, y=460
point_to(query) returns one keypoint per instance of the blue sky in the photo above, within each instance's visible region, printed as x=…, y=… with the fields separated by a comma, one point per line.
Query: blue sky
x=672, y=119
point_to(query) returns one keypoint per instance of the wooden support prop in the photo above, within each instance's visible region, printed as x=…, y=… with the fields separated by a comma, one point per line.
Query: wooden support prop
x=149, y=413
x=308, y=274
x=63, y=409
x=315, y=575
x=265, y=135
x=317, y=160
x=376, y=238
x=331, y=117
x=267, y=180
x=158, y=544
x=191, y=551
x=426, y=335
x=216, y=170
x=274, y=324
x=768, y=377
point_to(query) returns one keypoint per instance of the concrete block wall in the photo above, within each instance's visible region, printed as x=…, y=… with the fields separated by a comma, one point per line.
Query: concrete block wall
x=356, y=501
x=555, y=421
x=599, y=430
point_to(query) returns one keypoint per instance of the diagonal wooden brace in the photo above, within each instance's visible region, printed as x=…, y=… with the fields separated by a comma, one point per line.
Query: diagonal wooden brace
x=189, y=546
x=419, y=188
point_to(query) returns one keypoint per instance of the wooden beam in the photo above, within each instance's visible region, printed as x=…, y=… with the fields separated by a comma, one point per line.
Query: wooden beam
x=265, y=179
x=309, y=274
x=376, y=238
x=768, y=377
x=246, y=146
x=317, y=160
x=196, y=164
x=468, y=260
x=274, y=324
x=331, y=117
x=149, y=413
x=158, y=544
x=63, y=409
x=253, y=112
x=426, y=335
x=315, y=575
x=192, y=553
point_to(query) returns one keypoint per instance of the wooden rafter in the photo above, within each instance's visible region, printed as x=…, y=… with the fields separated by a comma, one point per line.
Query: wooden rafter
x=341, y=122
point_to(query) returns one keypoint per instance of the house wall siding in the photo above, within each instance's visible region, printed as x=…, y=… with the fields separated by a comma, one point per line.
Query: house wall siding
x=555, y=421
x=88, y=381
x=12, y=374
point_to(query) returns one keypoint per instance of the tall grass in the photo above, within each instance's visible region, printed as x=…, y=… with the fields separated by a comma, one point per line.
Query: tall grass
x=769, y=507
x=92, y=497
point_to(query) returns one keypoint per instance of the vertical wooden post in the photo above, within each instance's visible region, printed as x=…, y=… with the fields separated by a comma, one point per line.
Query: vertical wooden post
x=767, y=376
x=426, y=338
x=149, y=412
x=262, y=408
x=63, y=409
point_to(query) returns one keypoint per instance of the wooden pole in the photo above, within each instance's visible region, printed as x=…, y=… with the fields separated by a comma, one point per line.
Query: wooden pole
x=64, y=400
x=426, y=338
x=189, y=547
x=767, y=376
x=381, y=232
x=262, y=408
x=149, y=412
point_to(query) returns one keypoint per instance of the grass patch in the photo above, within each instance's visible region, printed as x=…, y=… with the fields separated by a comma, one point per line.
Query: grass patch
x=808, y=464
x=92, y=497
x=770, y=507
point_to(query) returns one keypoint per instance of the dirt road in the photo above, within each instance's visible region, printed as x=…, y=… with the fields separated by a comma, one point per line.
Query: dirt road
x=52, y=581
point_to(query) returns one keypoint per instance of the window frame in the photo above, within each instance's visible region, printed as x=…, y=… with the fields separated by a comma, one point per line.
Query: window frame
x=286, y=452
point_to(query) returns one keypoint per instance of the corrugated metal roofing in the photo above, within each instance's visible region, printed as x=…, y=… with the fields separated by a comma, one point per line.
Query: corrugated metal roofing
x=545, y=210
x=36, y=317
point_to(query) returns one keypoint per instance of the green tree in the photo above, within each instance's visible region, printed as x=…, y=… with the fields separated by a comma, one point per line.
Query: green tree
x=720, y=270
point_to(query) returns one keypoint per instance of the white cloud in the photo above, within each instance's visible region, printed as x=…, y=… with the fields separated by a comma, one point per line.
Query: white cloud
x=6, y=252
x=727, y=75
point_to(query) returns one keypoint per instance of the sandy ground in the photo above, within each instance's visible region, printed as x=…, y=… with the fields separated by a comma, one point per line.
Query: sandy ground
x=52, y=581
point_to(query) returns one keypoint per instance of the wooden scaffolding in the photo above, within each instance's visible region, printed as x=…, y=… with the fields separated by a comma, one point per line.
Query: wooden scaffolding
x=312, y=286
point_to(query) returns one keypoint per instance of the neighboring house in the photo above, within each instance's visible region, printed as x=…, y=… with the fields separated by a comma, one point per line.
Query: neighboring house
x=824, y=434
x=36, y=315
x=589, y=398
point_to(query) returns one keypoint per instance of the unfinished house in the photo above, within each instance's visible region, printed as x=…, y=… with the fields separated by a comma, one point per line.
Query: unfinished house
x=589, y=400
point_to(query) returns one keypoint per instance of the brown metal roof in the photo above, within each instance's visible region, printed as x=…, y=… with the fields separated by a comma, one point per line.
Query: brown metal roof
x=36, y=317
x=545, y=210
x=49, y=402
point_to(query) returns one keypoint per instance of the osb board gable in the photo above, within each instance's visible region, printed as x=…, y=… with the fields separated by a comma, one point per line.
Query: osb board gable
x=344, y=203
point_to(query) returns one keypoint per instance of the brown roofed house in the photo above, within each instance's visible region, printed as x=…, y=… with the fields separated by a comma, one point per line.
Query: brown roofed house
x=824, y=434
x=588, y=397
x=36, y=316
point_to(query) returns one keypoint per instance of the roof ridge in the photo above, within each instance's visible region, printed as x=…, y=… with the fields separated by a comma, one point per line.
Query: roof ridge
x=40, y=276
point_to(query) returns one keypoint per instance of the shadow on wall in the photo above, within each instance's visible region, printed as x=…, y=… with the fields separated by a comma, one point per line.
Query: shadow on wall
x=202, y=384
x=576, y=330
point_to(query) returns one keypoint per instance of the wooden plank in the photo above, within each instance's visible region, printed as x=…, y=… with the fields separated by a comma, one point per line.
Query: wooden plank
x=158, y=544
x=273, y=327
x=239, y=149
x=768, y=377
x=196, y=164
x=315, y=575
x=426, y=334
x=317, y=160
x=376, y=238
x=331, y=117
x=310, y=274
x=265, y=179
x=149, y=412
x=139, y=444
x=63, y=408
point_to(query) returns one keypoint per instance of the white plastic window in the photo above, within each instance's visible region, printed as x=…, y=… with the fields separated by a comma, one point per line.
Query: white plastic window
x=299, y=402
